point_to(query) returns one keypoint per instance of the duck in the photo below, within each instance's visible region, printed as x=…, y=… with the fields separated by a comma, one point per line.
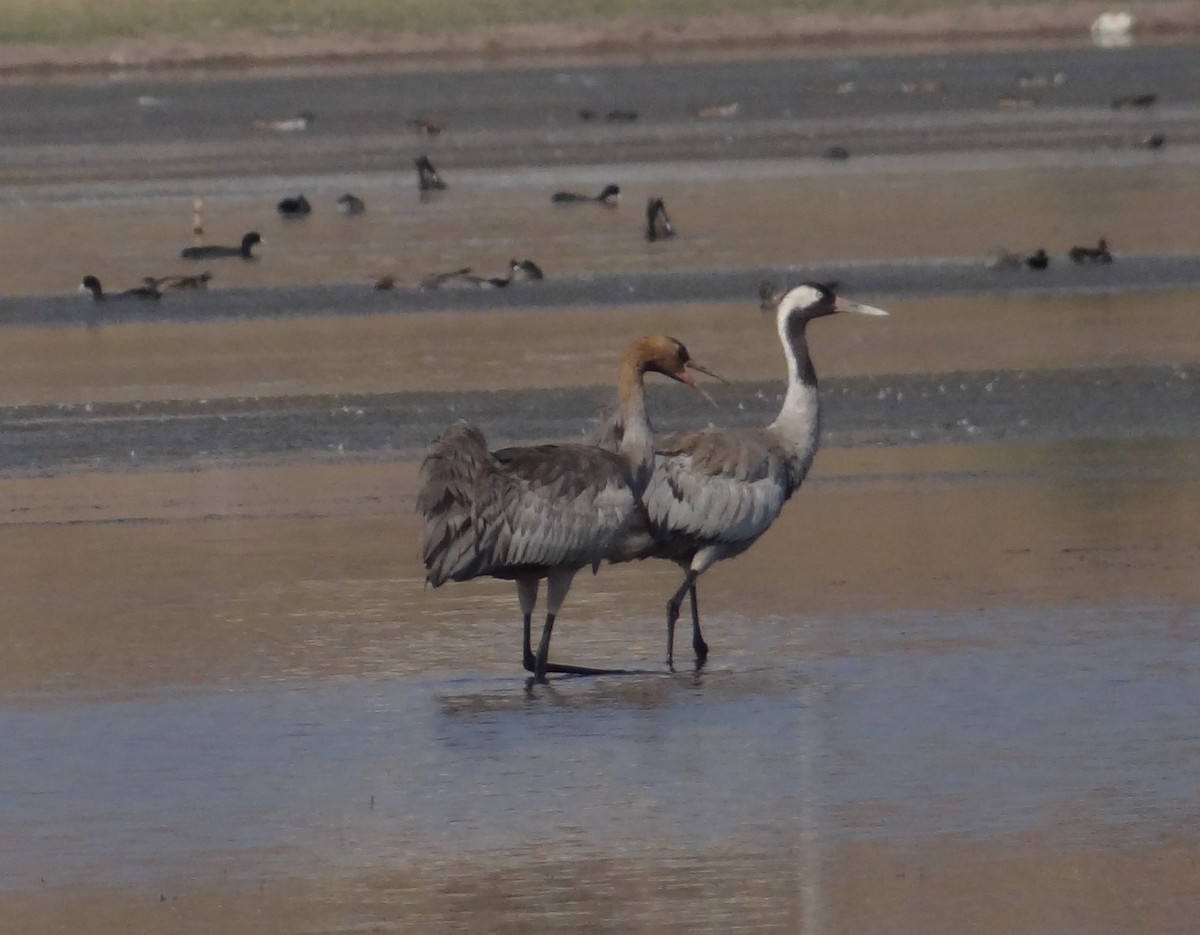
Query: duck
x=464, y=278
x=1038, y=259
x=351, y=205
x=1096, y=254
x=215, y=252
x=297, y=207
x=609, y=196
x=144, y=293
x=524, y=271
x=428, y=179
x=658, y=225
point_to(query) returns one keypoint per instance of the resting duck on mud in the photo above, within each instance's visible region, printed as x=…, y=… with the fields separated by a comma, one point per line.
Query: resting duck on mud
x=518, y=271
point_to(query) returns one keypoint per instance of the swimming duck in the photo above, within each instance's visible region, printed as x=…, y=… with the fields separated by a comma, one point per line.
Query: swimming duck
x=213, y=252
x=383, y=283
x=428, y=179
x=92, y=284
x=1096, y=254
x=836, y=153
x=199, y=281
x=296, y=207
x=608, y=196
x=351, y=204
x=1038, y=259
x=658, y=225
x=1153, y=141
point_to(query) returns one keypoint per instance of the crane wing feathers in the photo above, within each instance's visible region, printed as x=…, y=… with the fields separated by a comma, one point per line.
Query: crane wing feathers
x=725, y=486
x=518, y=509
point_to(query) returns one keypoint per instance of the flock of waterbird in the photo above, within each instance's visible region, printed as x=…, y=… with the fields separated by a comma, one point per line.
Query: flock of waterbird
x=658, y=226
x=694, y=497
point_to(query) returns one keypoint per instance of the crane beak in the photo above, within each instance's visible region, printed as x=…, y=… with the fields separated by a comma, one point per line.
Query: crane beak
x=846, y=306
x=696, y=365
x=684, y=377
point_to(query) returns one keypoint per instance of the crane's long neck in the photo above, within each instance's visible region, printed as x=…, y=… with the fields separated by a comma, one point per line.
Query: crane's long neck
x=637, y=443
x=798, y=424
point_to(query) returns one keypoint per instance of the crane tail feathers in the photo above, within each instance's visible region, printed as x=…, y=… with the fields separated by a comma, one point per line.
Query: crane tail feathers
x=453, y=538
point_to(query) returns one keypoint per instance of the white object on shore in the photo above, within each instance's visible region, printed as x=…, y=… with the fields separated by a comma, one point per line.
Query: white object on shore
x=1113, y=30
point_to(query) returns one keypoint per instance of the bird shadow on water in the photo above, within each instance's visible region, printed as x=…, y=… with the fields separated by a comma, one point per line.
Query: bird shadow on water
x=639, y=688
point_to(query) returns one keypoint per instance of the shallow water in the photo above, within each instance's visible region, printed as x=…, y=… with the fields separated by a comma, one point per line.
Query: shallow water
x=950, y=691
x=576, y=346
x=988, y=645
x=730, y=215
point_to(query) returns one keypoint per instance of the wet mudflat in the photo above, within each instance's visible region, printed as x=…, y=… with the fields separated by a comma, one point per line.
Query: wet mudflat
x=952, y=690
x=969, y=701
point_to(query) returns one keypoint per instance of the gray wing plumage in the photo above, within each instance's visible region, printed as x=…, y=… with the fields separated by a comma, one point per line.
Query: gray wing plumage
x=712, y=486
x=518, y=510
x=716, y=486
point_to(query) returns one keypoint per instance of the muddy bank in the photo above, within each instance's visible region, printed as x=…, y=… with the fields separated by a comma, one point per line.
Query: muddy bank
x=496, y=46
x=934, y=886
x=1148, y=402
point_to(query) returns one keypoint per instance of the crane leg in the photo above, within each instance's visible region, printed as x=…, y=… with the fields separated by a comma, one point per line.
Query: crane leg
x=556, y=591
x=539, y=669
x=527, y=589
x=698, y=645
x=673, y=605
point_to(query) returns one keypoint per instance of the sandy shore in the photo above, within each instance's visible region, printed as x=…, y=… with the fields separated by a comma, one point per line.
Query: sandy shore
x=817, y=32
